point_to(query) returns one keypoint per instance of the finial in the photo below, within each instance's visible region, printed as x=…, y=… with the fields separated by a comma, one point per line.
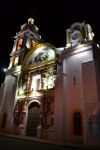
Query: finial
x=30, y=21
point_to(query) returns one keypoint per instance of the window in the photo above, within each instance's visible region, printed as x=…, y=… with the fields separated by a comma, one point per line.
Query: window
x=77, y=123
x=36, y=82
x=30, y=43
x=33, y=43
x=19, y=44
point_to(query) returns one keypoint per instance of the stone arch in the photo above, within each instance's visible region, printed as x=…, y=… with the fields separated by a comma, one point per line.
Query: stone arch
x=32, y=101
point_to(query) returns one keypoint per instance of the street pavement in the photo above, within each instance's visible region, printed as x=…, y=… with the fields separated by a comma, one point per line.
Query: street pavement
x=16, y=142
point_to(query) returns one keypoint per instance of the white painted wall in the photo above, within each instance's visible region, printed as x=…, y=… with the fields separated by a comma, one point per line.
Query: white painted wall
x=70, y=96
x=8, y=99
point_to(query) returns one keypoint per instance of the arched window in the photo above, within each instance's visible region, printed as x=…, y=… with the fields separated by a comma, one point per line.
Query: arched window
x=77, y=123
x=19, y=44
x=33, y=43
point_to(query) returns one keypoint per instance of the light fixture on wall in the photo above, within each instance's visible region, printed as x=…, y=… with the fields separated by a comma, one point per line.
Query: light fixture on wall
x=4, y=69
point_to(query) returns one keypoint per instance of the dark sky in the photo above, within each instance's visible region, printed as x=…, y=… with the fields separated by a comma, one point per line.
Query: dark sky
x=52, y=17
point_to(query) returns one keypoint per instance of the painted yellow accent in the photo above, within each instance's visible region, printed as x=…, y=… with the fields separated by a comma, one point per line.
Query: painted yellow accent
x=68, y=39
x=33, y=49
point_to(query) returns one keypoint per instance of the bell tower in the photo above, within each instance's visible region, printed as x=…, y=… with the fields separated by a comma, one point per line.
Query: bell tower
x=24, y=40
x=78, y=33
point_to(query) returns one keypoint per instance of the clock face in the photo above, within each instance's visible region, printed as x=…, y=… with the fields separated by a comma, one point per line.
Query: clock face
x=76, y=37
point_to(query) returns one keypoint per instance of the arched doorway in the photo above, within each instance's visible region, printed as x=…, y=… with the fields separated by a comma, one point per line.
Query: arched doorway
x=33, y=119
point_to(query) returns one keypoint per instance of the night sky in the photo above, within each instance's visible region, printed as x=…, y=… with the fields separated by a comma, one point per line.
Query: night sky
x=51, y=16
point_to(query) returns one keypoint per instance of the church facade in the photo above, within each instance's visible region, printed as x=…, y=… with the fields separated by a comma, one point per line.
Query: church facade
x=53, y=93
